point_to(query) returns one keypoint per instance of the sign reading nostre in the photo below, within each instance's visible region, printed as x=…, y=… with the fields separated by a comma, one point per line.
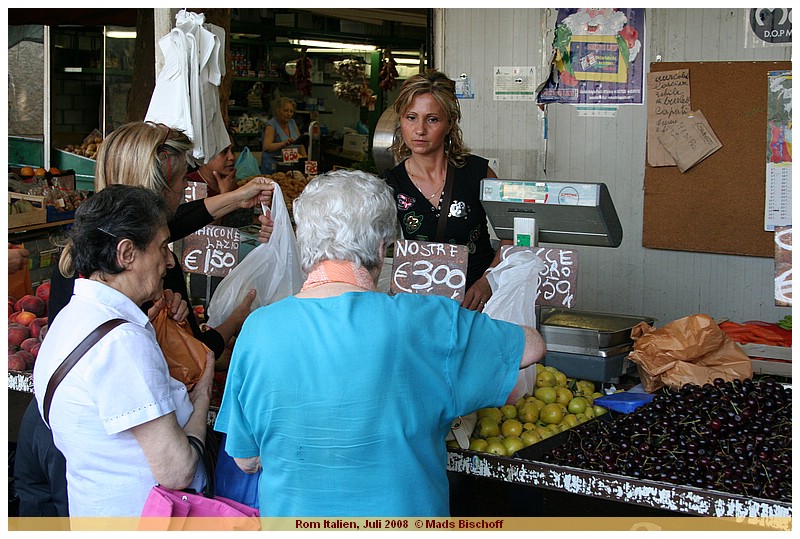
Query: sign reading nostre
x=433, y=269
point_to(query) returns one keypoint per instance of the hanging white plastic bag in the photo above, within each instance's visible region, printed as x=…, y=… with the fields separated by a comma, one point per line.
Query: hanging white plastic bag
x=515, y=284
x=272, y=268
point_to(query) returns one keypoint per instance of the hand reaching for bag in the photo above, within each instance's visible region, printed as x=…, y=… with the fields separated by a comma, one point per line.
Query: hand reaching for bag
x=233, y=324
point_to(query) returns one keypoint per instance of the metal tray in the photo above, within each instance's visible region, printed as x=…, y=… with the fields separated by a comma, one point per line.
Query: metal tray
x=586, y=332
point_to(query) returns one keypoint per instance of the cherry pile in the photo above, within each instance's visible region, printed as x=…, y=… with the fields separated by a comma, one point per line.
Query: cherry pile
x=733, y=437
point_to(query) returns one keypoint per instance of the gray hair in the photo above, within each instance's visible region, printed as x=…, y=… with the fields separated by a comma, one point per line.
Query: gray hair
x=345, y=215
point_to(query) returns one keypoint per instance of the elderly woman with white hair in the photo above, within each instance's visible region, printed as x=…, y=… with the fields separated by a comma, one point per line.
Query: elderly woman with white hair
x=348, y=406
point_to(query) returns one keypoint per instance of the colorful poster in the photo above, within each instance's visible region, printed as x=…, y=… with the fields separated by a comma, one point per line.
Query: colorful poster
x=778, y=209
x=597, y=57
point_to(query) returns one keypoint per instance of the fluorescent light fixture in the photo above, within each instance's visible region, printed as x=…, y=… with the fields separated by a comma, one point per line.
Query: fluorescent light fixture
x=115, y=32
x=408, y=61
x=332, y=45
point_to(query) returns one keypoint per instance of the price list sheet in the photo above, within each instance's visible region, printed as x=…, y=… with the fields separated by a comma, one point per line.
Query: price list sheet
x=778, y=211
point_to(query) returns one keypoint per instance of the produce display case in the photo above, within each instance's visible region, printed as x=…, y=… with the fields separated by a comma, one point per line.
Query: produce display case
x=527, y=467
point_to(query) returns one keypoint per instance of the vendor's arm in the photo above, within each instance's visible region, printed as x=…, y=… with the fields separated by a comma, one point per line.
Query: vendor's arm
x=255, y=192
x=480, y=291
x=171, y=457
x=270, y=145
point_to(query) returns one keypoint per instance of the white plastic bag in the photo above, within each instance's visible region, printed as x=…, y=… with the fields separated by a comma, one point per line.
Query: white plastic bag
x=272, y=268
x=515, y=284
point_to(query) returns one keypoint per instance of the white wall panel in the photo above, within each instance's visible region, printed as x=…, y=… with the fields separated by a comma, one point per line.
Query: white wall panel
x=629, y=279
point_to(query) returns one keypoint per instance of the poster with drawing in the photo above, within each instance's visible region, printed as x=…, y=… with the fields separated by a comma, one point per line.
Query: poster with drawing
x=598, y=56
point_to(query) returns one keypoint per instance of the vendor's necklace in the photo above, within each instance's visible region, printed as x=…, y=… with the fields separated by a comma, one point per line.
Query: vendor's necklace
x=411, y=174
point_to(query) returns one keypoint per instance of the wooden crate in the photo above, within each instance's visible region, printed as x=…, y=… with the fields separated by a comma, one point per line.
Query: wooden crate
x=35, y=217
x=775, y=360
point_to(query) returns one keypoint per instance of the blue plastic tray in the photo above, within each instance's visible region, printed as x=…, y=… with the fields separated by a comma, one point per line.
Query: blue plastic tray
x=624, y=402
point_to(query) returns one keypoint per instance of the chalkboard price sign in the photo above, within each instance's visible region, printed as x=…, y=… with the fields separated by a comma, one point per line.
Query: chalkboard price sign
x=195, y=191
x=436, y=269
x=558, y=278
x=212, y=250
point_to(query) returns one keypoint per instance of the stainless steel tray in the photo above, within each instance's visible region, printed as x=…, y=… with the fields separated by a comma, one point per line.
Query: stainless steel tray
x=586, y=332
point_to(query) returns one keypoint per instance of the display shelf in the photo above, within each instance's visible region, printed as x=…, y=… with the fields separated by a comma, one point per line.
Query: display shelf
x=653, y=494
x=53, y=224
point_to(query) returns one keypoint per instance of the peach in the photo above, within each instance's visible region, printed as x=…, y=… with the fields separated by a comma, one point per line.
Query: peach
x=36, y=327
x=17, y=333
x=25, y=318
x=31, y=304
x=29, y=343
x=43, y=291
x=16, y=363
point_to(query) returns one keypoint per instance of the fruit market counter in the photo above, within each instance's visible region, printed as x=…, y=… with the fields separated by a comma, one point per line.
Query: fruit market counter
x=683, y=500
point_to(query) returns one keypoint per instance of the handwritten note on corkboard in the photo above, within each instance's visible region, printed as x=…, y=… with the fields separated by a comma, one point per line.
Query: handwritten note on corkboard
x=717, y=206
x=668, y=100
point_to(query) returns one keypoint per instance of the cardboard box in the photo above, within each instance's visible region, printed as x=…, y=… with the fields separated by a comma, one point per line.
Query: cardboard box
x=35, y=217
x=354, y=143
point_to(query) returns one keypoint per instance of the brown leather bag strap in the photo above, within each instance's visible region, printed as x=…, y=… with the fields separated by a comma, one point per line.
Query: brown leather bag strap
x=72, y=359
x=448, y=194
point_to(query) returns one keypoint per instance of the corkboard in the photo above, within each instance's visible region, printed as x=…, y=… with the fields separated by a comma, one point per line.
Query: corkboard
x=717, y=206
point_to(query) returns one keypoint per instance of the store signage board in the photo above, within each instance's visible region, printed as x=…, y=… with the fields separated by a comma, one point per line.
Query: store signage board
x=558, y=283
x=428, y=268
x=212, y=250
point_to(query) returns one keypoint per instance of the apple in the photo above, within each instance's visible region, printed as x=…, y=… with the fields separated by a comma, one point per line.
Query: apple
x=43, y=291
x=17, y=333
x=36, y=327
x=16, y=363
x=25, y=318
x=31, y=304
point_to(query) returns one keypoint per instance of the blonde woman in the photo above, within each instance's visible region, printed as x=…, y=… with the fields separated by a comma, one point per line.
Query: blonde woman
x=280, y=132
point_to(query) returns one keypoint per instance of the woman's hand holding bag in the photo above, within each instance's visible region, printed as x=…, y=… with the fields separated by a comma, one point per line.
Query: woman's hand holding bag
x=272, y=268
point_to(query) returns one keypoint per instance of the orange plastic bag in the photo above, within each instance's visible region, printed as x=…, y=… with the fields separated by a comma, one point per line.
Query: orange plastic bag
x=689, y=350
x=186, y=356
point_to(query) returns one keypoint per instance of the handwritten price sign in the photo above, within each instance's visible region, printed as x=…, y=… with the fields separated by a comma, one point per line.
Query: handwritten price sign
x=212, y=250
x=195, y=191
x=558, y=278
x=436, y=269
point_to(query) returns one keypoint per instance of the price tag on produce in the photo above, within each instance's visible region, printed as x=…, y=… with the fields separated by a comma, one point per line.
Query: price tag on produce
x=212, y=250
x=290, y=155
x=559, y=276
x=311, y=168
x=436, y=269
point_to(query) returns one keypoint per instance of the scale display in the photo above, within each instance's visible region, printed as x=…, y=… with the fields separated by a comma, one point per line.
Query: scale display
x=573, y=213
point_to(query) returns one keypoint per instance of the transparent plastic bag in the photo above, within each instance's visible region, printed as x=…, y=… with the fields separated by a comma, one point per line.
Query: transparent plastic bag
x=272, y=268
x=515, y=285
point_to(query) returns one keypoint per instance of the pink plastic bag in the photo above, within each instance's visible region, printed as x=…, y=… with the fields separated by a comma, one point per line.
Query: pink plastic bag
x=167, y=509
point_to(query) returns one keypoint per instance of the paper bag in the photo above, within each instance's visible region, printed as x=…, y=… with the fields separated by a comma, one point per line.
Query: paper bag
x=185, y=355
x=689, y=350
x=19, y=283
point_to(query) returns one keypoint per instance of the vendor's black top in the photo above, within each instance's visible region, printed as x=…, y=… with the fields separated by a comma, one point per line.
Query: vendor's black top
x=466, y=220
x=189, y=218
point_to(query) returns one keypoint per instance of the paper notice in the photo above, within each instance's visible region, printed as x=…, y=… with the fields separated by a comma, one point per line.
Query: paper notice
x=667, y=101
x=690, y=140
